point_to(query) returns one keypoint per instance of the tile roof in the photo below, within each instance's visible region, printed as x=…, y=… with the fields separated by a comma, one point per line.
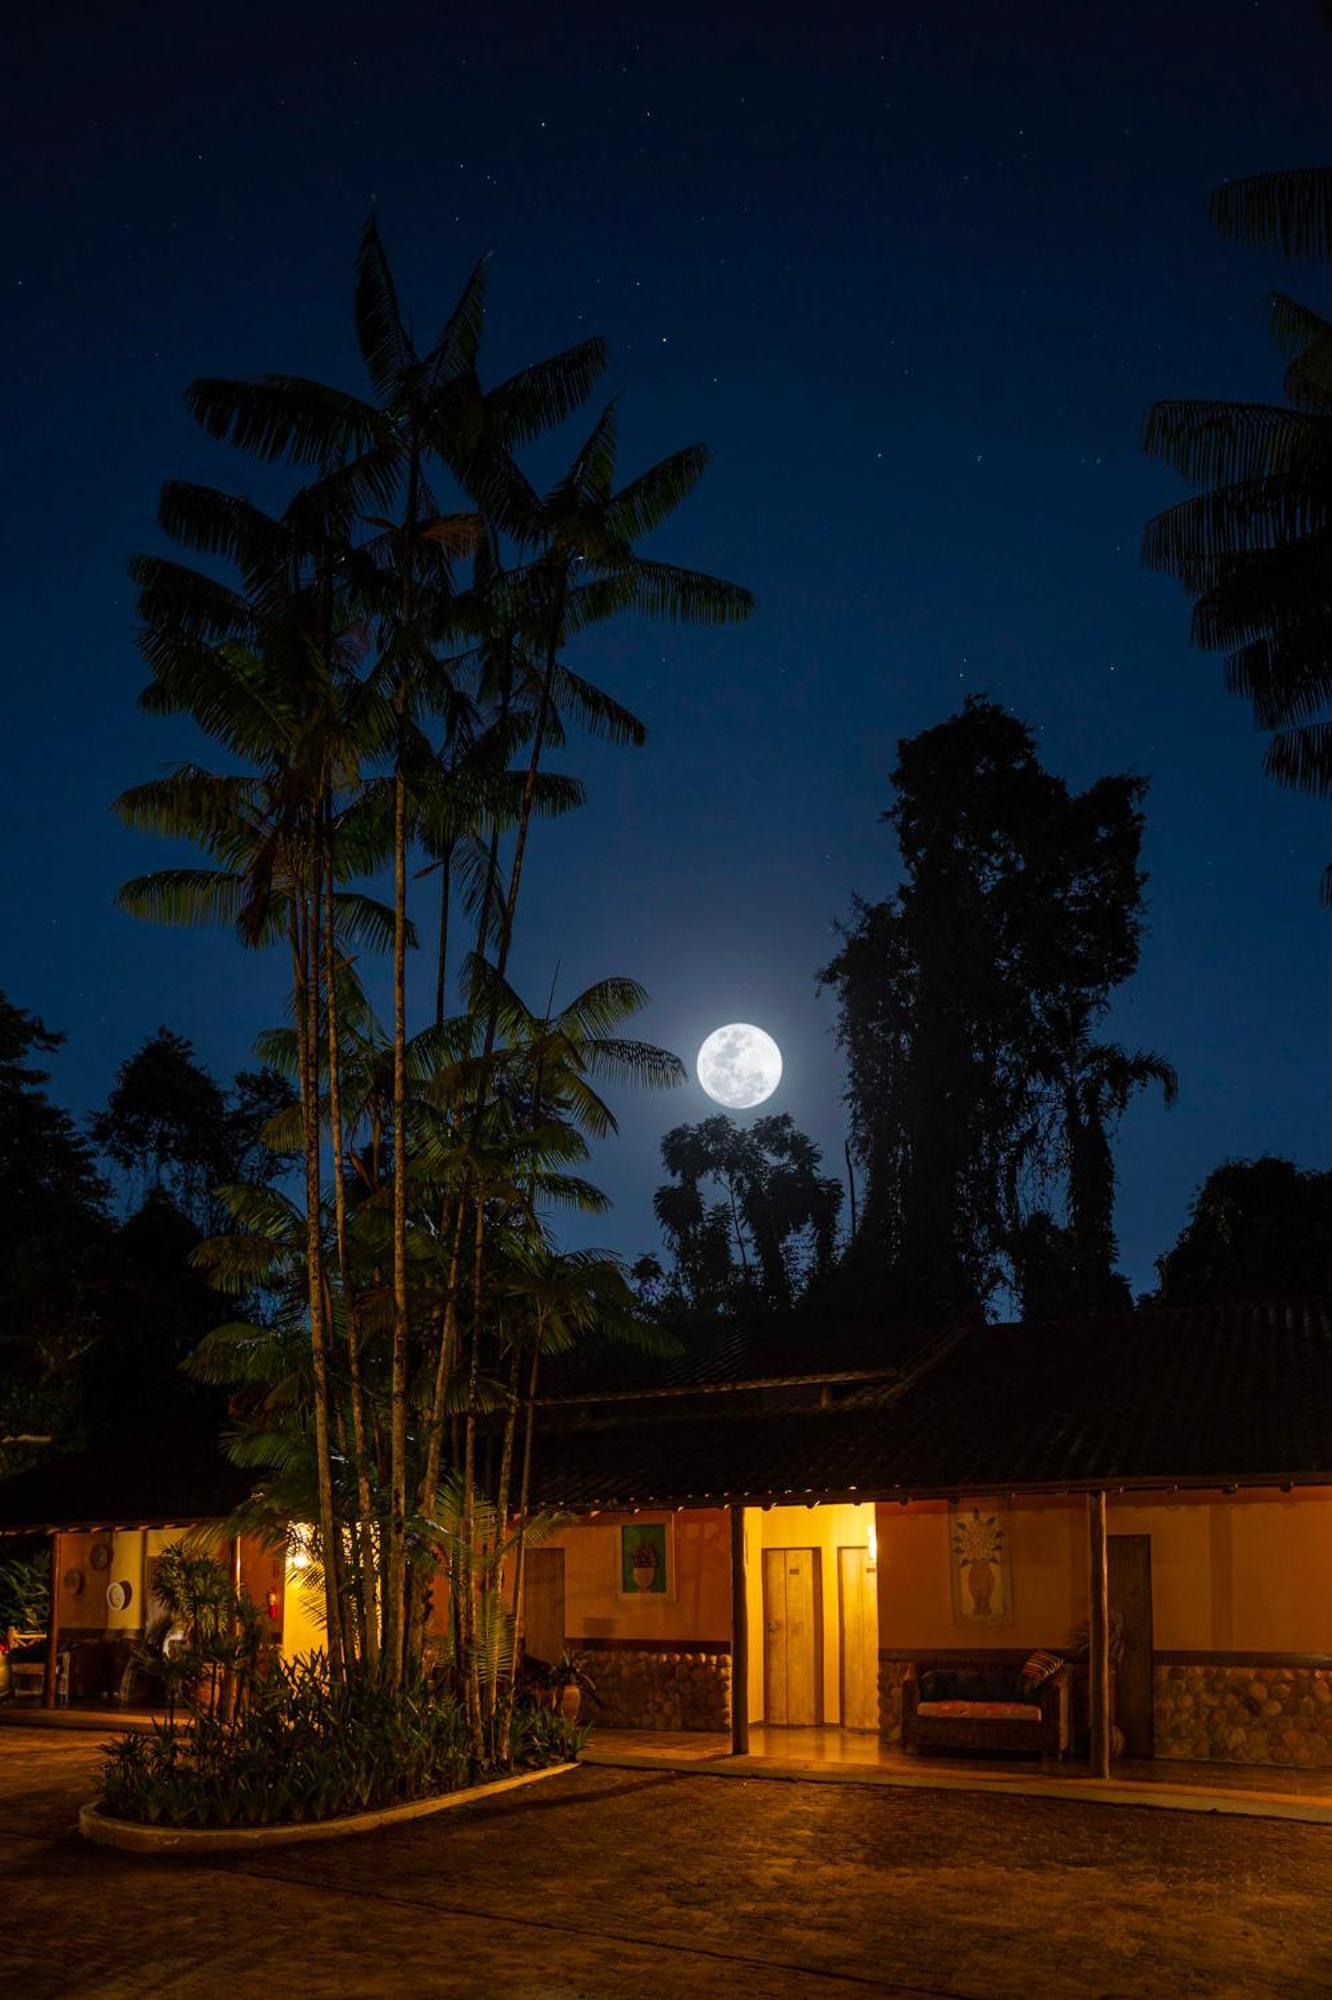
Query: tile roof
x=1205, y=1396
x=802, y=1342
x=1211, y=1395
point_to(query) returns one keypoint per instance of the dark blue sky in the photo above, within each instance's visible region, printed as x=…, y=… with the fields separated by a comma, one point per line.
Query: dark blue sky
x=913, y=274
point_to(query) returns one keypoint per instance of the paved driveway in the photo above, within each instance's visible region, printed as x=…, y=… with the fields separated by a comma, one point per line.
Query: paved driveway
x=618, y=1883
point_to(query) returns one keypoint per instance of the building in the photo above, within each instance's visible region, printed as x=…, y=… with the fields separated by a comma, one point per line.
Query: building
x=783, y=1527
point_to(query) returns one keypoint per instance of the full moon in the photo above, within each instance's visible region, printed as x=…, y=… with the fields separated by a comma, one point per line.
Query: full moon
x=739, y=1066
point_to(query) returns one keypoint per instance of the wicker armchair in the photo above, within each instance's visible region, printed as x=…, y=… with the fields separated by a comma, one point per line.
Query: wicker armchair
x=1035, y=1723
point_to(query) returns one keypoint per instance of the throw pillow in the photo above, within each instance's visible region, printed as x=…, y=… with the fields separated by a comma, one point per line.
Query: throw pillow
x=1038, y=1668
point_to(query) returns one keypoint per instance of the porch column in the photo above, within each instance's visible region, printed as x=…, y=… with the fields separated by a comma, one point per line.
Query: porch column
x=739, y=1638
x=51, y=1681
x=1098, y=1640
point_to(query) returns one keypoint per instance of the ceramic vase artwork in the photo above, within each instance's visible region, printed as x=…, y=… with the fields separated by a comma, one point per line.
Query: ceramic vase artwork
x=980, y=1582
x=645, y=1566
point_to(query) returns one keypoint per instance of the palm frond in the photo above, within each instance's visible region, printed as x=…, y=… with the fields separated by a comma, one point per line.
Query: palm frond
x=1290, y=210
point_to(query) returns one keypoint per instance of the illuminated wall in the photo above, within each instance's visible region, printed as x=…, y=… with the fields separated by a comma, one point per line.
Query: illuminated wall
x=1250, y=1572
x=698, y=1608
x=825, y=1529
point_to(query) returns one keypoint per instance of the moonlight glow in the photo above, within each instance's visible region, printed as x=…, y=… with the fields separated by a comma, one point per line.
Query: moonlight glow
x=739, y=1066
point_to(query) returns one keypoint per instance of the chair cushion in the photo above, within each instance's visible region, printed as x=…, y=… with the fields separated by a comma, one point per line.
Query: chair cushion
x=979, y=1711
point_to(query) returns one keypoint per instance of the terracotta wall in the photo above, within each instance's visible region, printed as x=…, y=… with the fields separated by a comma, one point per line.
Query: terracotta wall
x=1234, y=1574
x=698, y=1608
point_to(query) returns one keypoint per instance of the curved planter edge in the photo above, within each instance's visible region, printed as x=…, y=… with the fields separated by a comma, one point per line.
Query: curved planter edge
x=131, y=1838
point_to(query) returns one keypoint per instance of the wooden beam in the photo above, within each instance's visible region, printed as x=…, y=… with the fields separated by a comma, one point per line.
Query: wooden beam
x=1098, y=1634
x=739, y=1638
x=51, y=1681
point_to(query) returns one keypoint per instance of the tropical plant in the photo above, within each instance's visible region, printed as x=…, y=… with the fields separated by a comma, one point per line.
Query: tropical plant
x=25, y=1593
x=1252, y=546
x=389, y=669
x=204, y=1644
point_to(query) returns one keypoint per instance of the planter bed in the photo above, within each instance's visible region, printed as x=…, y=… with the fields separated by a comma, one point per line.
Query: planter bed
x=135, y=1837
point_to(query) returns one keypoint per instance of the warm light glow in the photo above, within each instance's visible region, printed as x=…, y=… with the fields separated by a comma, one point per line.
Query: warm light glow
x=298, y=1547
x=739, y=1066
x=873, y=1545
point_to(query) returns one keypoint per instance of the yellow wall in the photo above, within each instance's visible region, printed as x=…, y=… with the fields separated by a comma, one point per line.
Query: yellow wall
x=824, y=1529
x=132, y=1550
x=1250, y=1572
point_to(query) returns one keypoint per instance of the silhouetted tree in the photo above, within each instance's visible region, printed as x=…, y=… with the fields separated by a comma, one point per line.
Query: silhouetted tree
x=966, y=1003
x=55, y=1227
x=1257, y=1229
x=748, y=1214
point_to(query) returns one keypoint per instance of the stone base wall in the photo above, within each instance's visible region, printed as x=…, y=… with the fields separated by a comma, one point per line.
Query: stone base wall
x=1220, y=1714
x=1244, y=1715
x=660, y=1690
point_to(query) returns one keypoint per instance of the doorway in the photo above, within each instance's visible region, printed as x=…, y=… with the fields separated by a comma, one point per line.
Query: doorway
x=858, y=1637
x=792, y=1637
x=1130, y=1565
x=543, y=1605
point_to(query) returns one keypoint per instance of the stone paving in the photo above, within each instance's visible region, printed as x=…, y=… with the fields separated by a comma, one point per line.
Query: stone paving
x=643, y=1883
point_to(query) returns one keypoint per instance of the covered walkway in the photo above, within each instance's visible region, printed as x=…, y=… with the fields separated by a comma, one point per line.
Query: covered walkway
x=843, y=1756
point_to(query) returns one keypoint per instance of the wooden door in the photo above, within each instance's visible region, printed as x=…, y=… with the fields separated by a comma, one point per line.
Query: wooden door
x=1130, y=1562
x=792, y=1637
x=543, y=1604
x=858, y=1634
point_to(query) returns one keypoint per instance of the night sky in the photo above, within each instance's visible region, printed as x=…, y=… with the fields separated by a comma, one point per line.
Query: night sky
x=913, y=274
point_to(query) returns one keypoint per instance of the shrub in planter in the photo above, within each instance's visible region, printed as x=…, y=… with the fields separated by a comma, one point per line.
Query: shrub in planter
x=542, y=1735
x=304, y=1749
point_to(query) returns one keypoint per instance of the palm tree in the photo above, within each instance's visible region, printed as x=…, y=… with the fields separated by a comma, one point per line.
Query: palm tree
x=1093, y=1084
x=425, y=406
x=1253, y=547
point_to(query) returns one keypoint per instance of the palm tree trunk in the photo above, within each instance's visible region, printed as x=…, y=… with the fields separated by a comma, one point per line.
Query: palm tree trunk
x=396, y=1582
x=365, y=1567
x=495, y=1575
x=306, y=951
x=520, y=1551
x=472, y=1663
x=395, y=1591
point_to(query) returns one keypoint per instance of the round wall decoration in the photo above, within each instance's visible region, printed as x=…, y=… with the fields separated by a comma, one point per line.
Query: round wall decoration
x=99, y=1555
x=118, y=1595
x=72, y=1581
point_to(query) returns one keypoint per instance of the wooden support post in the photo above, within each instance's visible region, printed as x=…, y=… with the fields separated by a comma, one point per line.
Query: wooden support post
x=51, y=1681
x=1098, y=1636
x=739, y=1638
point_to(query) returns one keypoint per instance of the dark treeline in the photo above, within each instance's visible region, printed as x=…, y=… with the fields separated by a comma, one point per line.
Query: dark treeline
x=104, y=1304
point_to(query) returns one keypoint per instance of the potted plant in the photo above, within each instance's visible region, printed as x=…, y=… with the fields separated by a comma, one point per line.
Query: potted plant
x=569, y=1682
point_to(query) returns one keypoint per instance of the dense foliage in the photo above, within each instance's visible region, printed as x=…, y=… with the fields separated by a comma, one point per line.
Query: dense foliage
x=1257, y=1229
x=103, y=1308
x=968, y=1005
x=308, y=1747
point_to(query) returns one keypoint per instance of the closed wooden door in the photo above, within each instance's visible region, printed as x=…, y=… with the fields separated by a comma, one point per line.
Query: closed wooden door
x=543, y=1604
x=792, y=1637
x=1130, y=1564
x=858, y=1635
